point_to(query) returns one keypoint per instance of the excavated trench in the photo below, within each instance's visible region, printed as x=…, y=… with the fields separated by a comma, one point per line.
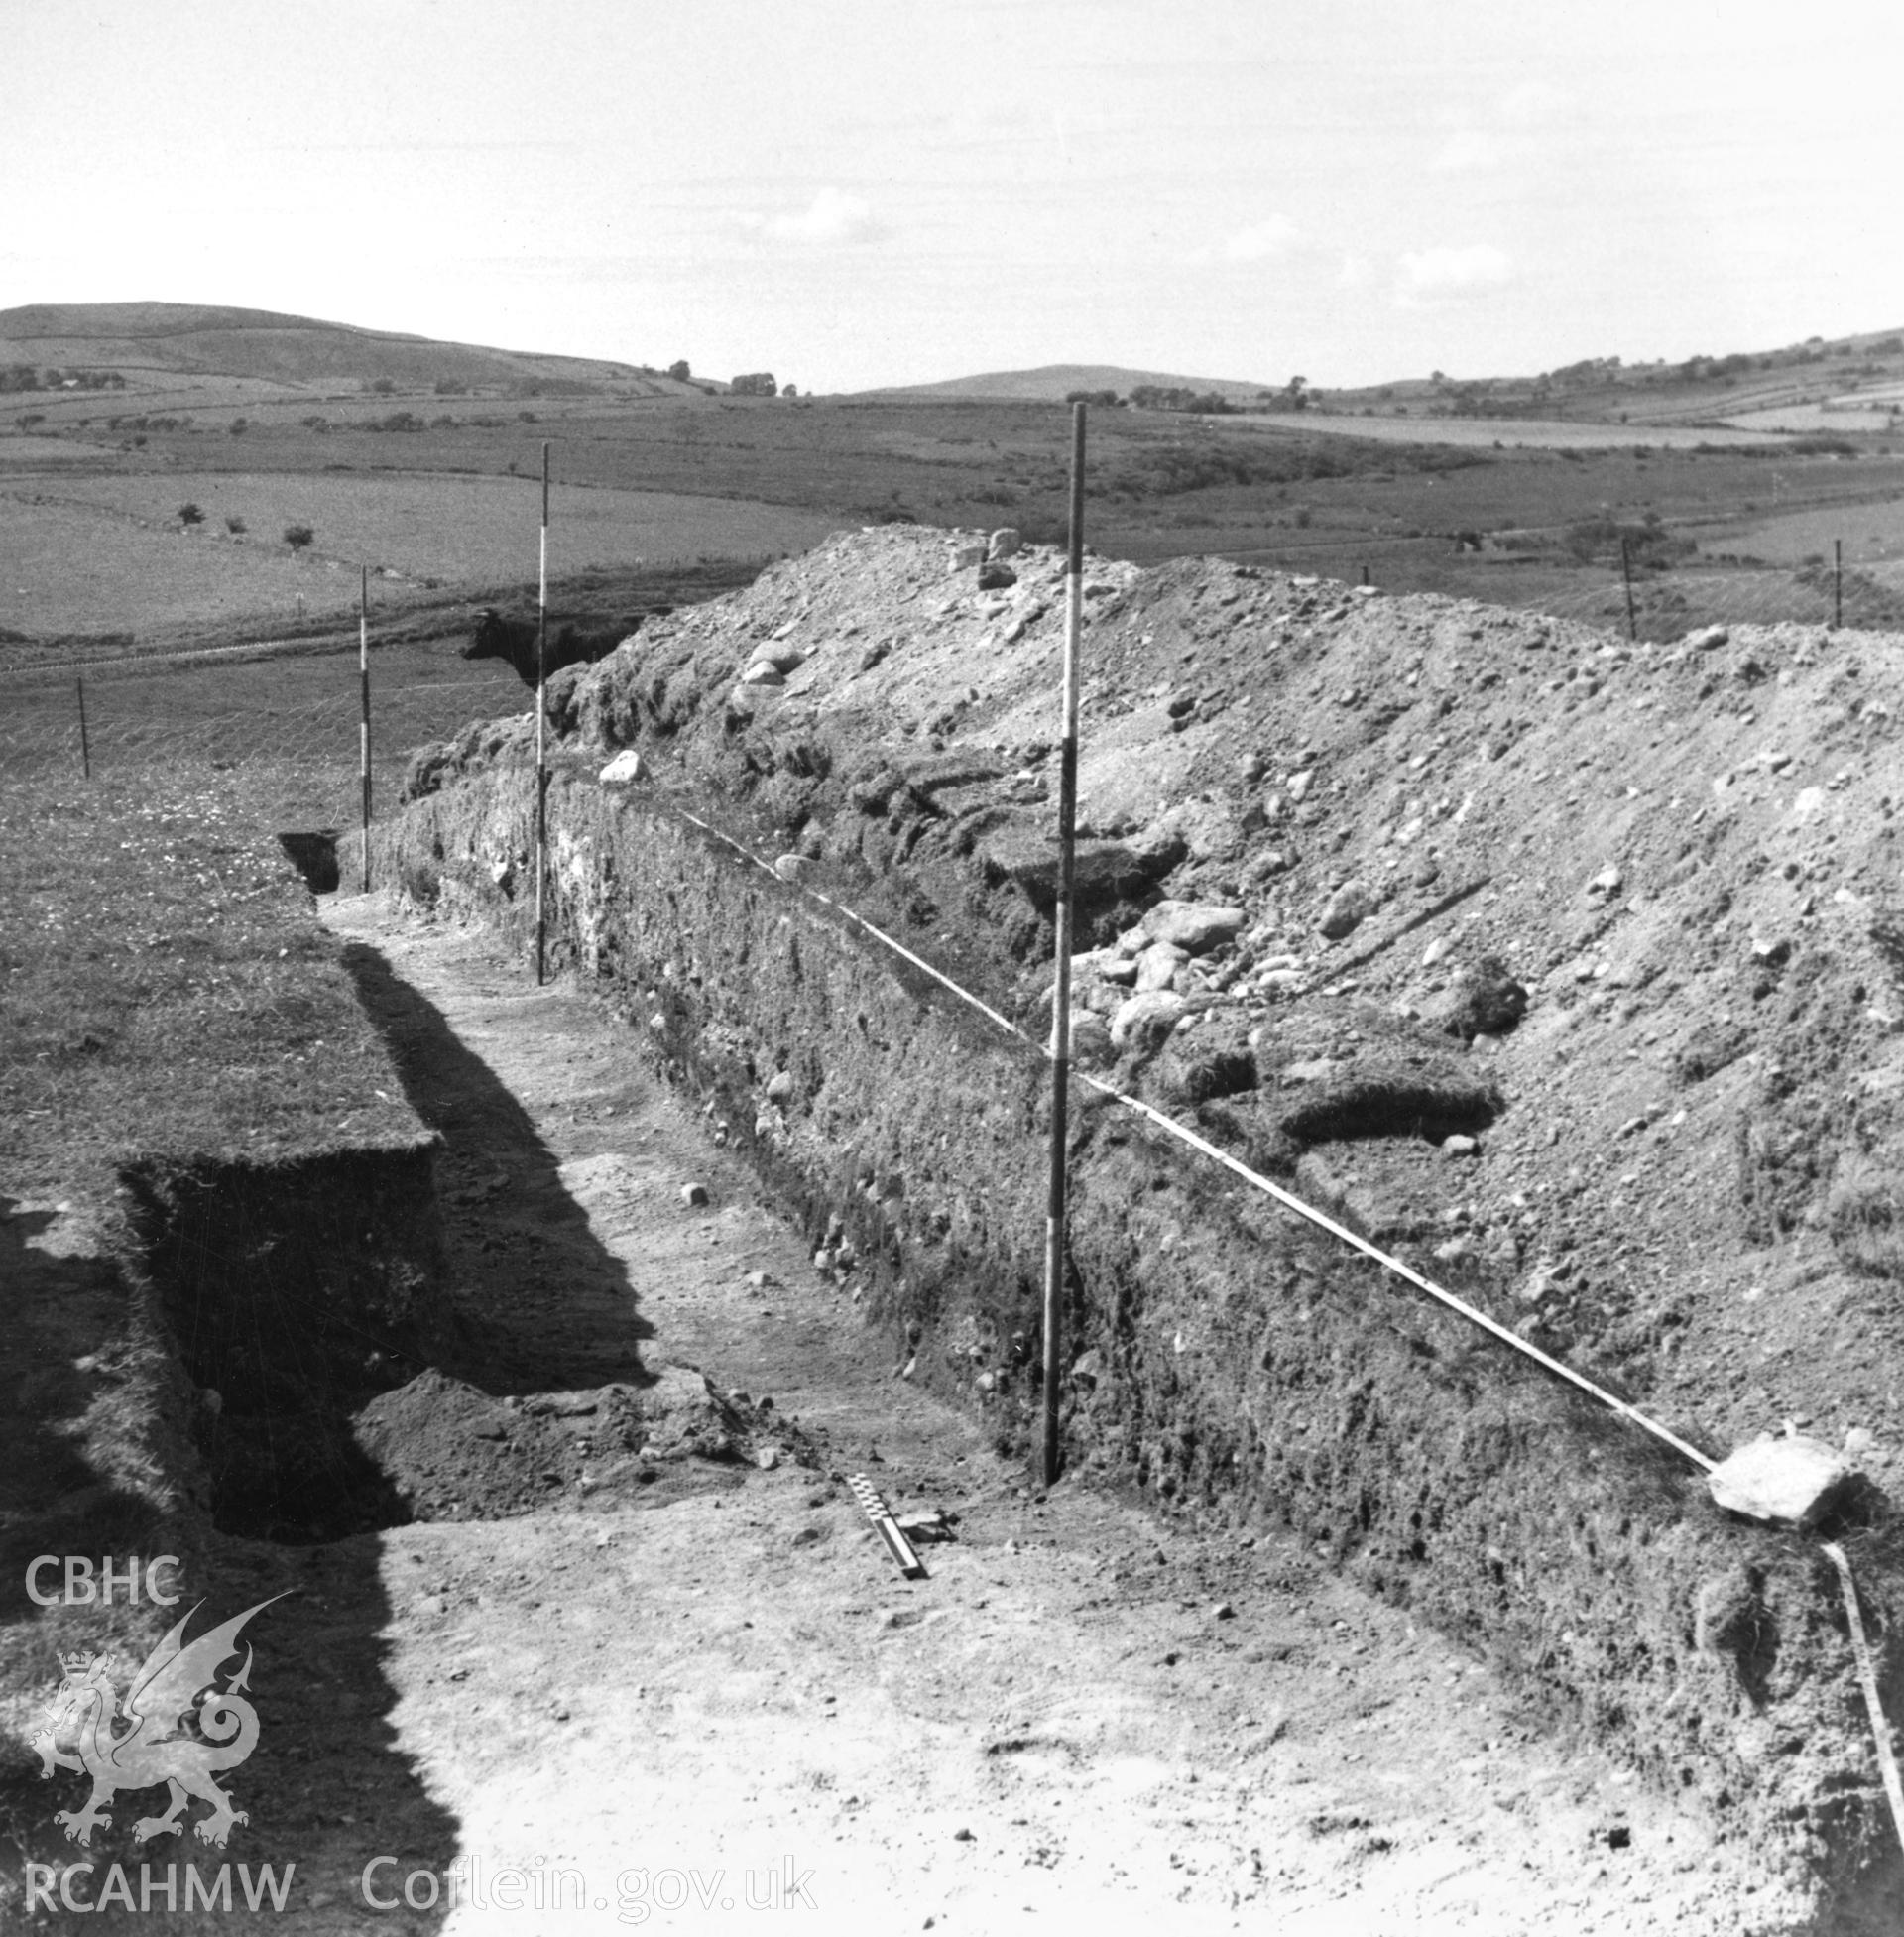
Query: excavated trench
x=344, y=1378
x=313, y=853
x=1220, y=1354
x=295, y=1294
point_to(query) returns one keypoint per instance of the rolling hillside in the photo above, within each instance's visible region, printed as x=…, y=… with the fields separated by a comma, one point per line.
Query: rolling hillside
x=143, y=341
x=1053, y=382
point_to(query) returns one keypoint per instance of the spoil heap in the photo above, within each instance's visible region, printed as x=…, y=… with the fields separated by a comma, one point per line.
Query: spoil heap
x=1633, y=913
x=1570, y=969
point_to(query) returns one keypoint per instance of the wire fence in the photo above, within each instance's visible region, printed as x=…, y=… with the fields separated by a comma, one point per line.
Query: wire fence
x=286, y=726
x=285, y=731
x=1644, y=581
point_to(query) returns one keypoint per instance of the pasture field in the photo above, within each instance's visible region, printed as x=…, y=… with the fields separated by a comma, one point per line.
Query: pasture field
x=161, y=983
x=1872, y=536
x=1866, y=416
x=107, y=553
x=1508, y=432
x=445, y=503
x=275, y=737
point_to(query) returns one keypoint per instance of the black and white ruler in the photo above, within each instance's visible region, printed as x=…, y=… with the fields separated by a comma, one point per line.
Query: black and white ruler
x=877, y=1510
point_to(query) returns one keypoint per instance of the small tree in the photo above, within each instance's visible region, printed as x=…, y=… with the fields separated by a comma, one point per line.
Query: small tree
x=190, y=515
x=680, y=371
x=236, y=527
x=298, y=536
x=383, y=387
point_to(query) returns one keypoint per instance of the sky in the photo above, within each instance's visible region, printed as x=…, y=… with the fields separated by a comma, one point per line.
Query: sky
x=856, y=192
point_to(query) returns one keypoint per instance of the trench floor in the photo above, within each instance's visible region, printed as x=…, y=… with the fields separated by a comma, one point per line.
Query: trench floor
x=1087, y=1714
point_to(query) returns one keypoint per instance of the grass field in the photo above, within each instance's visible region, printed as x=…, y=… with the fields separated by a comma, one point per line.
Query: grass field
x=161, y=985
x=89, y=543
x=108, y=553
x=1873, y=537
x=1511, y=434
x=279, y=734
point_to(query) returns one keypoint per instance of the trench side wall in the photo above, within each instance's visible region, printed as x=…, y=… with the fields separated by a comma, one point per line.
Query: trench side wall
x=1223, y=1355
x=293, y=1292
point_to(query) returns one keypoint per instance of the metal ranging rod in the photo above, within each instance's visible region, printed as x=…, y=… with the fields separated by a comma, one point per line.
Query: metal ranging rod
x=363, y=735
x=1054, y=1217
x=541, y=717
x=877, y=1510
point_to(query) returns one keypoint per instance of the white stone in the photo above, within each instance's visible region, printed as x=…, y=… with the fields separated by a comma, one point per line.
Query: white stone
x=1348, y=907
x=1157, y=966
x=625, y=769
x=1193, y=927
x=1157, y=1011
x=1790, y=1481
x=1318, y=1069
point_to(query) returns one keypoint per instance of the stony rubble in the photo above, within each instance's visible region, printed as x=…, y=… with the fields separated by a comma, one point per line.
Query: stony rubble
x=1645, y=889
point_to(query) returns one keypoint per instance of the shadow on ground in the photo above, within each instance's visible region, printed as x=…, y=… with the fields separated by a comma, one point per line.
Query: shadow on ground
x=546, y=1305
x=83, y=1391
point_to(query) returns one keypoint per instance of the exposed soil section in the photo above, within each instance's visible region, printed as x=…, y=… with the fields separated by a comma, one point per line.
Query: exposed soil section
x=1086, y=1710
x=1083, y=1711
x=1354, y=913
x=293, y=1292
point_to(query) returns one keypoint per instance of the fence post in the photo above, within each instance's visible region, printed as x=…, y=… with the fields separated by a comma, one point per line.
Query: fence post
x=1626, y=574
x=85, y=746
x=541, y=717
x=1061, y=1001
x=363, y=730
x=1838, y=583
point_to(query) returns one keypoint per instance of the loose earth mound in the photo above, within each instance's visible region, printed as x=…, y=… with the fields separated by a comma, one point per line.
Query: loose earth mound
x=1568, y=968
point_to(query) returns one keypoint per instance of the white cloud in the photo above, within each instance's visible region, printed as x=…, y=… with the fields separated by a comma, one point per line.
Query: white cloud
x=1427, y=275
x=831, y=217
x=1262, y=241
x=1466, y=149
x=1532, y=101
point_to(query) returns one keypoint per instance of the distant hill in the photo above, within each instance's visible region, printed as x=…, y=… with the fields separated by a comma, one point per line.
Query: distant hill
x=147, y=340
x=1054, y=381
x=1850, y=383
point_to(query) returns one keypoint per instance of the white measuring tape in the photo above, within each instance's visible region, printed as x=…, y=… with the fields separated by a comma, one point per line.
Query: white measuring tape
x=877, y=1512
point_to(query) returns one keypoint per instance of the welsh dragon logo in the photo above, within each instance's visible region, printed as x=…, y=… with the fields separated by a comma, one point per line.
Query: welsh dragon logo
x=155, y=1746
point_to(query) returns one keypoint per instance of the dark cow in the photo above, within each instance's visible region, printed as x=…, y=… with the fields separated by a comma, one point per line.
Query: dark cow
x=514, y=639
